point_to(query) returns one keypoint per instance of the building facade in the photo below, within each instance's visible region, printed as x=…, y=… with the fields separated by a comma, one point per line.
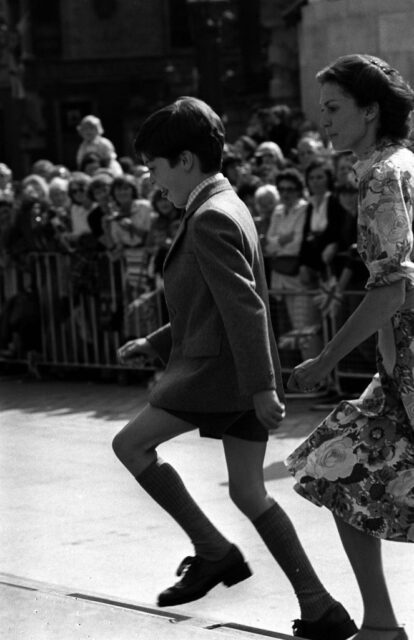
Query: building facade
x=118, y=59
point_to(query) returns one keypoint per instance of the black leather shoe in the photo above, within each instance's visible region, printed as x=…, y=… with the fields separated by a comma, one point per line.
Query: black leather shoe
x=335, y=624
x=199, y=576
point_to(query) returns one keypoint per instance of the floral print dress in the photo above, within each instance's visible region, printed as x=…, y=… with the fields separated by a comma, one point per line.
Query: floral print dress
x=359, y=462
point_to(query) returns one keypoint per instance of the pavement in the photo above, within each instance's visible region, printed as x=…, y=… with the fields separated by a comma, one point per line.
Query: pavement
x=84, y=551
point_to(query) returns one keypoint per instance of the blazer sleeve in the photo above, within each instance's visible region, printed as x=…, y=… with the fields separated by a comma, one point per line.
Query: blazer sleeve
x=225, y=256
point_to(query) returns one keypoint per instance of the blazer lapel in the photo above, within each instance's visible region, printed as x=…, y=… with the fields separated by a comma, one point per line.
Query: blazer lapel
x=208, y=191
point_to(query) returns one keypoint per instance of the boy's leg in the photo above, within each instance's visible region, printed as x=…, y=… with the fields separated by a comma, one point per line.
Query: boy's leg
x=245, y=466
x=216, y=557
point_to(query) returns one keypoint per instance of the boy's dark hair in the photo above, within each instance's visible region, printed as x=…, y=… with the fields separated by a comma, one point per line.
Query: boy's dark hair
x=188, y=124
x=368, y=79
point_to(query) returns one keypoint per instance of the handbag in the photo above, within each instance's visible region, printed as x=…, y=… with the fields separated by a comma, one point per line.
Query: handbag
x=286, y=265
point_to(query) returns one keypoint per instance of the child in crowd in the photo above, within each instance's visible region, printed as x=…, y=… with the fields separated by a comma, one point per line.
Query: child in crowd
x=90, y=129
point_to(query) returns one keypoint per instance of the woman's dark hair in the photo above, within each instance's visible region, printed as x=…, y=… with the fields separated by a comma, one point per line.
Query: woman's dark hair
x=125, y=180
x=368, y=79
x=292, y=175
x=78, y=180
x=100, y=180
x=327, y=167
x=188, y=124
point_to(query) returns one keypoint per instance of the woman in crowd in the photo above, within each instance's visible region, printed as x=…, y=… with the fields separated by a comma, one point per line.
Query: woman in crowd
x=80, y=205
x=129, y=227
x=326, y=225
x=283, y=243
x=99, y=192
x=359, y=462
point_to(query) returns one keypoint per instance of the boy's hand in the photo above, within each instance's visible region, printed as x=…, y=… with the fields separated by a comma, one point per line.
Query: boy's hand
x=269, y=410
x=134, y=348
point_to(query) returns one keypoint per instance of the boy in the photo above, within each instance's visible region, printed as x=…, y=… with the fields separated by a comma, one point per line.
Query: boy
x=222, y=371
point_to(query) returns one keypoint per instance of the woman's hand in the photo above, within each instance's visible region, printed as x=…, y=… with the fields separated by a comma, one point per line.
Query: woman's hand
x=134, y=348
x=308, y=375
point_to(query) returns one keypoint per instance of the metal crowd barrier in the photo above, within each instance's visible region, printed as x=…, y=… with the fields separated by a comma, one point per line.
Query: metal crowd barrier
x=299, y=339
x=75, y=322
x=78, y=318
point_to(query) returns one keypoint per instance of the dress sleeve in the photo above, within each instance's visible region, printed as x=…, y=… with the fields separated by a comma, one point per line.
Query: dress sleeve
x=385, y=226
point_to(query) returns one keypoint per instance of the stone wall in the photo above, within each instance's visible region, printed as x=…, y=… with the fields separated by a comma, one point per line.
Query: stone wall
x=331, y=28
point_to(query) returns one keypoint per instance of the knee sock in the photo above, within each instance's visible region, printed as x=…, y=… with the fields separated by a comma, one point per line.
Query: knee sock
x=278, y=533
x=164, y=485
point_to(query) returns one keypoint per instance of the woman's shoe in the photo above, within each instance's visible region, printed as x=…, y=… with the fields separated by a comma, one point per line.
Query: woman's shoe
x=335, y=624
x=401, y=635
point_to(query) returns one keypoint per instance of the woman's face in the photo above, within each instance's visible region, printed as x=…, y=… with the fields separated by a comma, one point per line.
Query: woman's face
x=58, y=197
x=164, y=206
x=289, y=193
x=101, y=193
x=344, y=168
x=348, y=126
x=123, y=194
x=317, y=181
x=307, y=152
x=33, y=189
x=78, y=194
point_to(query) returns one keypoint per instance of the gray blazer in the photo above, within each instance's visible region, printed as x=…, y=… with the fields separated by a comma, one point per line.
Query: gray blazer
x=219, y=347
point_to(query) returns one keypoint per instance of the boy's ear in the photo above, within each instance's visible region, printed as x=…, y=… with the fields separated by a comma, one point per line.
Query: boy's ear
x=187, y=159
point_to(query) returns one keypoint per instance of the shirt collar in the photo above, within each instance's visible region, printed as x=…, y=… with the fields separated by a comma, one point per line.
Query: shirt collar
x=194, y=193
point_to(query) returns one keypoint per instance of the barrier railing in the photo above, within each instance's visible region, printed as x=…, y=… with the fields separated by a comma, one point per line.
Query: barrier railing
x=302, y=329
x=50, y=317
x=54, y=314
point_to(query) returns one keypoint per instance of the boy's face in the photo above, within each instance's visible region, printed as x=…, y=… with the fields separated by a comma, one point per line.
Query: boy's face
x=173, y=181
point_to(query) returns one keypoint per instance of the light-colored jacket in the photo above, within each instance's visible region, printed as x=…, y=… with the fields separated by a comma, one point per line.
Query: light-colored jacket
x=219, y=345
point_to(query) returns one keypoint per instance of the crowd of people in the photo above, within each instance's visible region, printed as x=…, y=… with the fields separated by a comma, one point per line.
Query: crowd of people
x=301, y=195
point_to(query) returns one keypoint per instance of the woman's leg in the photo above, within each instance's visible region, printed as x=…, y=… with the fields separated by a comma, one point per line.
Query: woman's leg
x=364, y=554
x=247, y=490
x=135, y=446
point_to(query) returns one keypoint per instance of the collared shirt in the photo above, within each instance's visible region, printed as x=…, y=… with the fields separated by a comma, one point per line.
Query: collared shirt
x=200, y=187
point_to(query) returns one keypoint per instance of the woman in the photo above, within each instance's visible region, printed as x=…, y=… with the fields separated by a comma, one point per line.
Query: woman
x=327, y=224
x=129, y=227
x=283, y=242
x=366, y=107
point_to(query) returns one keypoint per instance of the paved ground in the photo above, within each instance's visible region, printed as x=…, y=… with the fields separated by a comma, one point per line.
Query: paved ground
x=72, y=521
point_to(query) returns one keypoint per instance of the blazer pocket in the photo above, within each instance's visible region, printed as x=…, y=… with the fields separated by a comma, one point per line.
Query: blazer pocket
x=203, y=346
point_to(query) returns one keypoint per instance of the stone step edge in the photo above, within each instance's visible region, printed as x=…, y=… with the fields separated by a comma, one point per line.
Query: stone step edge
x=242, y=631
